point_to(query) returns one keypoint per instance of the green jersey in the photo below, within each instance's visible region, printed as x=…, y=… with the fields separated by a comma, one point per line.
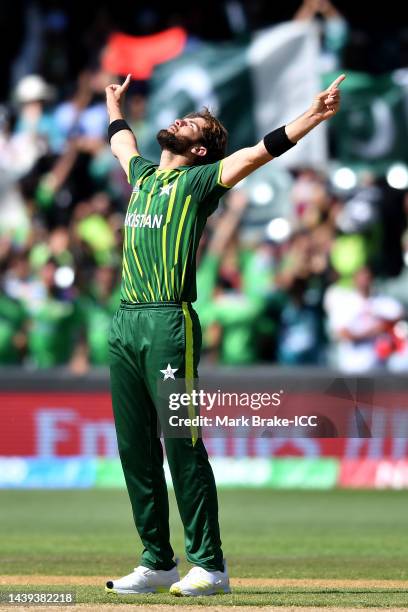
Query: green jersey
x=165, y=218
x=12, y=319
x=53, y=332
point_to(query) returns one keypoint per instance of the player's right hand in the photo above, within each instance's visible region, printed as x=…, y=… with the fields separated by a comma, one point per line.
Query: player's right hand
x=114, y=92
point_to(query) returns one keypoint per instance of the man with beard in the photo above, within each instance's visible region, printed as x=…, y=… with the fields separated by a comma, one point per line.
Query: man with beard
x=156, y=331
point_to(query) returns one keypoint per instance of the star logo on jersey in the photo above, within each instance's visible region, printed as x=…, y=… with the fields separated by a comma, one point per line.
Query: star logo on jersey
x=169, y=372
x=165, y=190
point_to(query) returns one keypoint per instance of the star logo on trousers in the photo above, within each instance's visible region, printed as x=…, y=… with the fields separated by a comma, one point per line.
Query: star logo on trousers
x=165, y=190
x=169, y=372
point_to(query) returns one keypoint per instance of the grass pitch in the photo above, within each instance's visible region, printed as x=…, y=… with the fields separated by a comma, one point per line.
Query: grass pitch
x=316, y=539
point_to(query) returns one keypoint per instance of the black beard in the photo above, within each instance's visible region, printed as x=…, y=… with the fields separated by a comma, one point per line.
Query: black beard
x=179, y=145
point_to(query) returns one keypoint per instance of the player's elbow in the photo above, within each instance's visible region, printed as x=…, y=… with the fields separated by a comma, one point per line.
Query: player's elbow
x=259, y=155
x=115, y=150
x=254, y=158
x=249, y=156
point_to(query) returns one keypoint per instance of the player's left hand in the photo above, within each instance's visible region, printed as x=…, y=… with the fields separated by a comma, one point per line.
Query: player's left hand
x=115, y=92
x=327, y=103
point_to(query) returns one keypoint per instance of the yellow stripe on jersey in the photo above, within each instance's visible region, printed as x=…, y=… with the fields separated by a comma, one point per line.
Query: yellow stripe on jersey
x=129, y=162
x=164, y=235
x=127, y=271
x=149, y=197
x=151, y=290
x=135, y=254
x=219, y=181
x=158, y=281
x=127, y=292
x=185, y=265
x=180, y=227
x=133, y=199
x=126, y=267
x=172, y=280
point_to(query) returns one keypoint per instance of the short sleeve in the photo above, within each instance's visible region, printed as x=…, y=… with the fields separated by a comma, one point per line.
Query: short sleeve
x=139, y=168
x=206, y=182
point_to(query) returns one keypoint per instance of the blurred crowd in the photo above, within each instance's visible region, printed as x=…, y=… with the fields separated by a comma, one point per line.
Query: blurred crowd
x=322, y=287
x=326, y=285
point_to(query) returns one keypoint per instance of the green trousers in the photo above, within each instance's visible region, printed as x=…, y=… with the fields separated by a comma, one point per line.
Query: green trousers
x=143, y=340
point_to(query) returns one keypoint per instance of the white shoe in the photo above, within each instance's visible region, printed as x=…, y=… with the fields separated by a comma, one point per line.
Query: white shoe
x=199, y=581
x=143, y=580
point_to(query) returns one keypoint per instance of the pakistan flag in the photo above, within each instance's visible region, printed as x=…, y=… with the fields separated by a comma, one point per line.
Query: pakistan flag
x=371, y=127
x=253, y=87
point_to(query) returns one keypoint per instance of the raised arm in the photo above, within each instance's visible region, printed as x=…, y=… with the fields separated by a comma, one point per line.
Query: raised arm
x=243, y=162
x=123, y=142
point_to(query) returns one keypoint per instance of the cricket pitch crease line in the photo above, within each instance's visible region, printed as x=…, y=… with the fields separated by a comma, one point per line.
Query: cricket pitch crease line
x=40, y=579
x=195, y=608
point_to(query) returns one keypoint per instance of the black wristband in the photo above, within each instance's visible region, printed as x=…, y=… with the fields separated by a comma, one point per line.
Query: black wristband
x=277, y=142
x=117, y=126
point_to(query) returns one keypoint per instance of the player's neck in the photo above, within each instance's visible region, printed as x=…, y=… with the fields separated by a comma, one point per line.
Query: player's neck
x=170, y=160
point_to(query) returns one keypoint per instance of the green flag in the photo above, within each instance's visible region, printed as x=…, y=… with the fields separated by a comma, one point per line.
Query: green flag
x=371, y=127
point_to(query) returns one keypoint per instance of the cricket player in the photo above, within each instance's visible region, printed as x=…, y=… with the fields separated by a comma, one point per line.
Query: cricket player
x=156, y=333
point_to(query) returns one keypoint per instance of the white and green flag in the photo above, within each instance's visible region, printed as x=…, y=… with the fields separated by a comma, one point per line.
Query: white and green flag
x=253, y=88
x=371, y=127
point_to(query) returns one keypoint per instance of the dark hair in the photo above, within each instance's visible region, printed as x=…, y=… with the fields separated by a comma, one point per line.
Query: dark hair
x=215, y=136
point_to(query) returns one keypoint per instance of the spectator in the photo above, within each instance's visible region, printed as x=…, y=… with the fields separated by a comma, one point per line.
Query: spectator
x=34, y=123
x=62, y=197
x=84, y=115
x=228, y=316
x=358, y=320
x=97, y=307
x=53, y=330
x=12, y=334
x=300, y=337
x=334, y=30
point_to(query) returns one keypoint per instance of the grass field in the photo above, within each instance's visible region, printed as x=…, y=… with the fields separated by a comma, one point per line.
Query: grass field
x=289, y=548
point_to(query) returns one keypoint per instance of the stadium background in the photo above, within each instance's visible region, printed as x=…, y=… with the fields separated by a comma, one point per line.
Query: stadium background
x=303, y=272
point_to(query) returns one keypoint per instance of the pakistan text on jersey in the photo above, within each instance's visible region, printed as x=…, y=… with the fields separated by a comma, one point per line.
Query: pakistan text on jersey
x=142, y=220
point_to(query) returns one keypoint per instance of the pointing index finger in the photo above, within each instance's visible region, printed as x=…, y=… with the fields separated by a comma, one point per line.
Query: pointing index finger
x=336, y=82
x=127, y=81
